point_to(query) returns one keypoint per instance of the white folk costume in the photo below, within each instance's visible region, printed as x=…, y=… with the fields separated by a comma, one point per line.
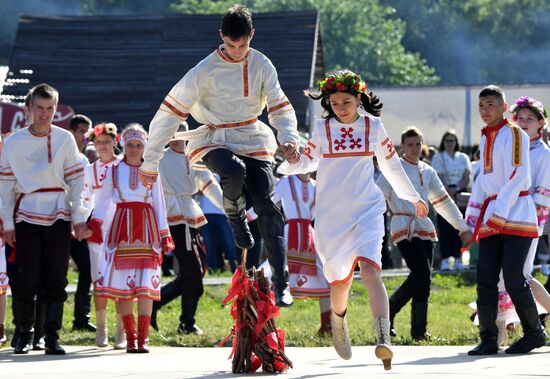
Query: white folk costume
x=539, y=156
x=94, y=176
x=304, y=266
x=227, y=97
x=404, y=224
x=137, y=238
x=42, y=182
x=180, y=183
x=500, y=202
x=349, y=224
x=4, y=280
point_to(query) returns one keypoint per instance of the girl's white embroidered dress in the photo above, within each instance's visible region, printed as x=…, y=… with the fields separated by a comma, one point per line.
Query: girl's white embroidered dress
x=94, y=176
x=137, y=236
x=306, y=271
x=349, y=223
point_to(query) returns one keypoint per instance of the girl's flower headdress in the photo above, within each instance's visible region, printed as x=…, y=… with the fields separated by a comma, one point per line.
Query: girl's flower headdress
x=104, y=128
x=528, y=102
x=347, y=81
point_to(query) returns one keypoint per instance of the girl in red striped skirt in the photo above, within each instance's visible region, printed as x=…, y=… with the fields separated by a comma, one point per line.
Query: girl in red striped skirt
x=137, y=239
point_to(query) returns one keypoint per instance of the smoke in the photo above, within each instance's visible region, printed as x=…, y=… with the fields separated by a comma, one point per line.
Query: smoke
x=10, y=11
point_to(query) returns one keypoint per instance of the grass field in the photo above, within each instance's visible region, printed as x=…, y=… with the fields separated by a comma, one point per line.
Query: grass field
x=448, y=322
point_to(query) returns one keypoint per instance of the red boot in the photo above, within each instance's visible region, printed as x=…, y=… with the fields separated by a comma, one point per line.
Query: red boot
x=325, y=328
x=143, y=333
x=129, y=323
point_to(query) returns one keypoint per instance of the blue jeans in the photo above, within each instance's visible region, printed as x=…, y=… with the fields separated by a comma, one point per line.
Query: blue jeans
x=217, y=236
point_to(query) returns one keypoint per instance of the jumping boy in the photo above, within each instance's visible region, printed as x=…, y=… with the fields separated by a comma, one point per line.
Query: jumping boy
x=226, y=92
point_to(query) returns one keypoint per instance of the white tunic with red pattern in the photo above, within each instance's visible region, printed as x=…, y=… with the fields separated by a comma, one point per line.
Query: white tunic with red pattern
x=306, y=271
x=227, y=97
x=4, y=281
x=349, y=223
x=94, y=176
x=180, y=182
x=137, y=237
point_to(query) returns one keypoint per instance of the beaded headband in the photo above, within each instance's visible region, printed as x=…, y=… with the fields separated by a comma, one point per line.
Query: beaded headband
x=133, y=135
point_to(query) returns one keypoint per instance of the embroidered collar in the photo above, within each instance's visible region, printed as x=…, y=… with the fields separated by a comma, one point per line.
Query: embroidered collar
x=225, y=58
x=490, y=129
x=130, y=165
x=404, y=157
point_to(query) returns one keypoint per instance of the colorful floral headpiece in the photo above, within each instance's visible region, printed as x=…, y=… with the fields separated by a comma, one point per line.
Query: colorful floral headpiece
x=133, y=135
x=346, y=81
x=528, y=102
x=108, y=128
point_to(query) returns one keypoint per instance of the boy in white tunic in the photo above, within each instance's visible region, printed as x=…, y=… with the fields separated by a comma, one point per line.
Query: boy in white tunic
x=104, y=137
x=415, y=237
x=41, y=188
x=505, y=220
x=349, y=206
x=226, y=92
x=180, y=182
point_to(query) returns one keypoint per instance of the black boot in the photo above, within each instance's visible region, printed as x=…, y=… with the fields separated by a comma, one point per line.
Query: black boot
x=38, y=343
x=25, y=321
x=187, y=318
x=419, y=321
x=397, y=301
x=167, y=293
x=54, y=321
x=271, y=225
x=533, y=334
x=488, y=331
x=235, y=211
x=82, y=313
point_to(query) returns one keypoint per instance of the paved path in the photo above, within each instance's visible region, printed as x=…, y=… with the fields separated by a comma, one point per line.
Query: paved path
x=165, y=362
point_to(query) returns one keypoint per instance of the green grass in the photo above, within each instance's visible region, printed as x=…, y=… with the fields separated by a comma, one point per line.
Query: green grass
x=448, y=319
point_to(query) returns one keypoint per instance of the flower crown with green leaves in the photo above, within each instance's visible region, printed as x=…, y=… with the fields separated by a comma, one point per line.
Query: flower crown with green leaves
x=528, y=102
x=342, y=81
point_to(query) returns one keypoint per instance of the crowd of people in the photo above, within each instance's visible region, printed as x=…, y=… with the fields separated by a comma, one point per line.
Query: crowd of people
x=172, y=191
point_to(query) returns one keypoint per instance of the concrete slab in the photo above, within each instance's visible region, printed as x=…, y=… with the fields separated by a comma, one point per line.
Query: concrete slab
x=165, y=362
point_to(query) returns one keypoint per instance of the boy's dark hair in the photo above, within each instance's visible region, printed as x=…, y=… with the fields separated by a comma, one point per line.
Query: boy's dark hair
x=453, y=134
x=43, y=91
x=78, y=119
x=493, y=90
x=236, y=22
x=411, y=131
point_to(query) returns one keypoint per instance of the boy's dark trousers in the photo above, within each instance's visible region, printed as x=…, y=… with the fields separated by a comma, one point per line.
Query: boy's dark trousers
x=509, y=253
x=239, y=174
x=82, y=297
x=188, y=283
x=42, y=262
x=418, y=255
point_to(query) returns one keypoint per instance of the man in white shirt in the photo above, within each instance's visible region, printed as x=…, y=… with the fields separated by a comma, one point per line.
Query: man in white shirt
x=41, y=184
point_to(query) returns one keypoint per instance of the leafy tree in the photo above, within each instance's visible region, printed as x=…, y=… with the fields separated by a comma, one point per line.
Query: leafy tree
x=479, y=41
x=360, y=35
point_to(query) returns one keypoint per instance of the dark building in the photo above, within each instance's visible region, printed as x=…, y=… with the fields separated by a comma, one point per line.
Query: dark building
x=120, y=68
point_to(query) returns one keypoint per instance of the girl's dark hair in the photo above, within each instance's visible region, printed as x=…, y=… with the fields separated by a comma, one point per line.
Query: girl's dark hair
x=449, y=133
x=369, y=101
x=236, y=22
